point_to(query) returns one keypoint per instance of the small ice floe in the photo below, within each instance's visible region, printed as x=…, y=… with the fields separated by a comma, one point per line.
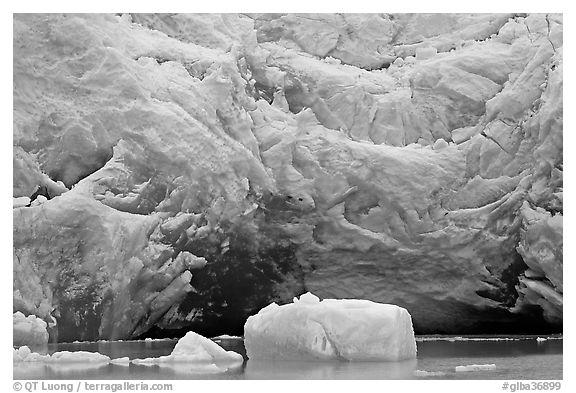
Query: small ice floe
x=195, y=353
x=78, y=357
x=125, y=361
x=226, y=337
x=560, y=337
x=475, y=367
x=23, y=354
x=149, y=340
x=427, y=374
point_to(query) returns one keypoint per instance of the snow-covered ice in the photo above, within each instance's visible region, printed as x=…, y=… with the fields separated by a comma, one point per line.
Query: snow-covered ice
x=200, y=352
x=475, y=367
x=345, y=329
x=29, y=330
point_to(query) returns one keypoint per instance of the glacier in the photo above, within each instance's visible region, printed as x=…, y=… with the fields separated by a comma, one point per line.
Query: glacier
x=180, y=172
x=330, y=329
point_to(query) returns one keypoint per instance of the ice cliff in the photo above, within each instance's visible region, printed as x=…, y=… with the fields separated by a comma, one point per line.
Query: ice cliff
x=177, y=172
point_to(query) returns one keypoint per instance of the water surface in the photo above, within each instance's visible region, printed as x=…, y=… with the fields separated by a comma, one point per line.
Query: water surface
x=515, y=357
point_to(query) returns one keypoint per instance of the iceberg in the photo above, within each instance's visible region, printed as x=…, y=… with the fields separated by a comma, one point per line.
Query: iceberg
x=342, y=329
x=29, y=330
x=196, y=351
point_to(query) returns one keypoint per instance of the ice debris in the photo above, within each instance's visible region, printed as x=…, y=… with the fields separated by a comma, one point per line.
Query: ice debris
x=24, y=354
x=475, y=367
x=198, y=350
x=423, y=373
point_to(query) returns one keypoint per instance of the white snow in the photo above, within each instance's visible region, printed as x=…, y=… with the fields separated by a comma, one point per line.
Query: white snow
x=475, y=367
x=199, y=351
x=345, y=329
x=29, y=330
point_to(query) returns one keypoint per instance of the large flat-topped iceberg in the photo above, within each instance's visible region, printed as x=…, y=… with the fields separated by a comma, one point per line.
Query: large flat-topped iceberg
x=344, y=329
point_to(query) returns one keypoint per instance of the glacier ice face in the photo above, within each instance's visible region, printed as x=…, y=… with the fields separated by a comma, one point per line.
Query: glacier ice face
x=30, y=330
x=200, y=167
x=342, y=329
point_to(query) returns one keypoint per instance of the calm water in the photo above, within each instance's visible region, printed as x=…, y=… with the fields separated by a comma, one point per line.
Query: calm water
x=522, y=358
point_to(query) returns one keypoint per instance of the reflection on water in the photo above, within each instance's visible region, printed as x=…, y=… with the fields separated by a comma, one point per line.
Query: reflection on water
x=515, y=359
x=290, y=369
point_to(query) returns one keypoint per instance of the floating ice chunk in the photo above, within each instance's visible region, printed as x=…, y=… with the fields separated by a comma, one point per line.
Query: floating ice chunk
x=198, y=350
x=226, y=337
x=29, y=330
x=345, y=329
x=125, y=361
x=23, y=354
x=475, y=367
x=423, y=373
x=78, y=357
